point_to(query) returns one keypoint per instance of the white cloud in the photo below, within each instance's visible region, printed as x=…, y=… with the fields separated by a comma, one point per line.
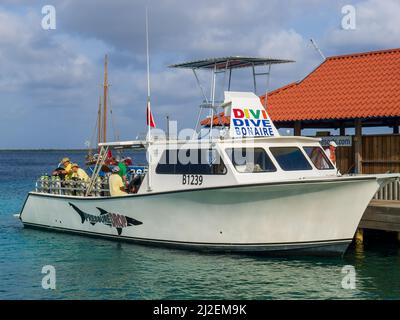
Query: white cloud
x=46, y=75
x=287, y=44
x=377, y=27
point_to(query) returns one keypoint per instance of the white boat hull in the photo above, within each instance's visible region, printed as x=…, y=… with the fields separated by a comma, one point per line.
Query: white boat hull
x=313, y=216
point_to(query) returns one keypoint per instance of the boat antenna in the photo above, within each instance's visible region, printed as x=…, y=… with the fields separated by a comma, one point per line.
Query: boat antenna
x=167, y=129
x=105, y=86
x=314, y=44
x=148, y=75
x=148, y=111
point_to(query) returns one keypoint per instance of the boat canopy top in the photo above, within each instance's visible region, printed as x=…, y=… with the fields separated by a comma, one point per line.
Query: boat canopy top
x=232, y=62
x=135, y=144
x=139, y=144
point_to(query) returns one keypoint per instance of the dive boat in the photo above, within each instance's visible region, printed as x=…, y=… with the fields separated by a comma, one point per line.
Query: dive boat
x=239, y=188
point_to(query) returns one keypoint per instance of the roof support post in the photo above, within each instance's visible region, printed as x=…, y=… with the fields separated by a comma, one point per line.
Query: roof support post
x=297, y=128
x=267, y=88
x=213, y=99
x=225, y=71
x=396, y=127
x=358, y=146
x=254, y=79
x=342, y=130
x=199, y=85
x=230, y=78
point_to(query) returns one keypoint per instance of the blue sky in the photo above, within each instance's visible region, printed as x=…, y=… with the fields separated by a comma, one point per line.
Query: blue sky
x=50, y=80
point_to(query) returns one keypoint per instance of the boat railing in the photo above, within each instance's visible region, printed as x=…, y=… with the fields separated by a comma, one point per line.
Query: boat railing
x=390, y=192
x=72, y=187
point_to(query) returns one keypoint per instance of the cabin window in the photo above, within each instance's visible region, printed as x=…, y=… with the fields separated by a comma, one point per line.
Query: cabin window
x=319, y=158
x=290, y=158
x=191, y=161
x=250, y=160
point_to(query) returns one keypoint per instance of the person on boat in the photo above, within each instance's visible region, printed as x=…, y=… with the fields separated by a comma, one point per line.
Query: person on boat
x=117, y=186
x=122, y=170
x=128, y=161
x=318, y=158
x=64, y=169
x=79, y=173
x=105, y=171
x=331, y=151
x=135, y=183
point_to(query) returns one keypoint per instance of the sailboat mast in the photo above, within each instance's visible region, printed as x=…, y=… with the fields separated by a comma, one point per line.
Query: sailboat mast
x=99, y=122
x=105, y=99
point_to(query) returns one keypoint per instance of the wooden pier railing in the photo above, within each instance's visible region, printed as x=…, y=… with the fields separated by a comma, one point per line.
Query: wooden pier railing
x=390, y=192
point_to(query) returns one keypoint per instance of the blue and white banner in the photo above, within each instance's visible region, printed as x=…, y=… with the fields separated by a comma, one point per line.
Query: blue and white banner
x=341, y=141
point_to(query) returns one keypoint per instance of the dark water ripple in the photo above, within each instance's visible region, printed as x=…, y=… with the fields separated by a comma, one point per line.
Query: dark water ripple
x=98, y=269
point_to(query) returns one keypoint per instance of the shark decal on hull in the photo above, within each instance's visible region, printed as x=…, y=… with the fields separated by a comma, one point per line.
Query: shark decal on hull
x=113, y=220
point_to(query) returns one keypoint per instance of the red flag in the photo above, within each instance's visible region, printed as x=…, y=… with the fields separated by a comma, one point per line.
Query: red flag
x=149, y=116
x=109, y=154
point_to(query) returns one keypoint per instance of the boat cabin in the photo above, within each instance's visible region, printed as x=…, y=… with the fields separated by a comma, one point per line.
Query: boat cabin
x=181, y=165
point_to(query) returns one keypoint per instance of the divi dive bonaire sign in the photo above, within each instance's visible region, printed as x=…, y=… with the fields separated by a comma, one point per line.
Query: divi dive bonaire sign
x=248, y=116
x=251, y=122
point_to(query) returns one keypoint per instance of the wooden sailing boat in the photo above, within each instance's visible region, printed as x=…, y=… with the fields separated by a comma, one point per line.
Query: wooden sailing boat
x=101, y=123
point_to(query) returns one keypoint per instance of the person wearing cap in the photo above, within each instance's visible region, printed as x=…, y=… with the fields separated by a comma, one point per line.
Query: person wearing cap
x=79, y=173
x=66, y=163
x=64, y=169
x=128, y=161
x=331, y=151
x=116, y=185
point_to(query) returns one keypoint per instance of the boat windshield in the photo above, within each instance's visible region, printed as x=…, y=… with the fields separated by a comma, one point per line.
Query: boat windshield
x=191, y=161
x=290, y=158
x=250, y=160
x=318, y=158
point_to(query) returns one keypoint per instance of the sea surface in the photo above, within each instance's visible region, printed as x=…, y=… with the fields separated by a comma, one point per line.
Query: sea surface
x=89, y=268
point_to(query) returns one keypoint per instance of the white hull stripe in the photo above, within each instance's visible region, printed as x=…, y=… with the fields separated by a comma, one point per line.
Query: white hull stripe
x=205, y=245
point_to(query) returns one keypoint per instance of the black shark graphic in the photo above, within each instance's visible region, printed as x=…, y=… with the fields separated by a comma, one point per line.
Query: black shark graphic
x=113, y=220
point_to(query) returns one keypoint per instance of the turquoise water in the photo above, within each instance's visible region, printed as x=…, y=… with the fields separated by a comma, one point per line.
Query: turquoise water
x=99, y=269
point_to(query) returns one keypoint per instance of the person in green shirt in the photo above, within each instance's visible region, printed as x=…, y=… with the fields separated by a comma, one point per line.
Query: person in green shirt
x=122, y=171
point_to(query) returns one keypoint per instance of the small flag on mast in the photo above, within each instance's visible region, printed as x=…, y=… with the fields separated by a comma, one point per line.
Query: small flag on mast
x=149, y=116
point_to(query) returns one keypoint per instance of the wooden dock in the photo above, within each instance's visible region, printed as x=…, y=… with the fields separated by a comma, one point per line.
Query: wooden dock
x=382, y=215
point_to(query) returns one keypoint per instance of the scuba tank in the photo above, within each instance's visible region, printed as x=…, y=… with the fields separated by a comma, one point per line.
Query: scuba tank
x=45, y=184
x=67, y=186
x=74, y=186
x=50, y=180
x=97, y=188
x=58, y=185
x=41, y=183
x=79, y=187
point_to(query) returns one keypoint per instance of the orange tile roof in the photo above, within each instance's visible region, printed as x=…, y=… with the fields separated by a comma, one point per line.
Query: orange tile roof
x=225, y=120
x=361, y=85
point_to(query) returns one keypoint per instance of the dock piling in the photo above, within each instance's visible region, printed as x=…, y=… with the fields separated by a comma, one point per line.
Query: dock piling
x=359, y=237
